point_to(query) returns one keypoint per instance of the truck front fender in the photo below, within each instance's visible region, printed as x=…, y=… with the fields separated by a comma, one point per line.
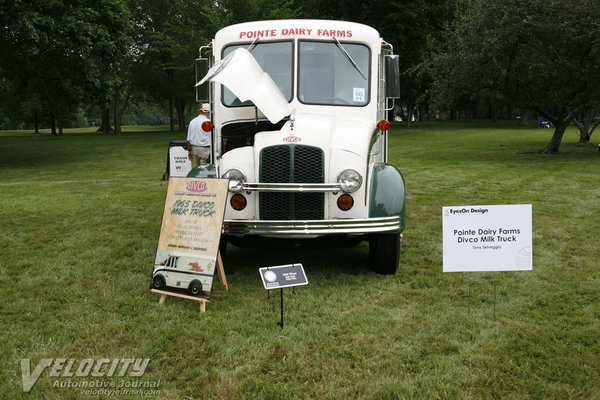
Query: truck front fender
x=203, y=171
x=387, y=196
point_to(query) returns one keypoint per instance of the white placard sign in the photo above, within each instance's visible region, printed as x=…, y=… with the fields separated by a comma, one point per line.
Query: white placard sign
x=179, y=163
x=487, y=238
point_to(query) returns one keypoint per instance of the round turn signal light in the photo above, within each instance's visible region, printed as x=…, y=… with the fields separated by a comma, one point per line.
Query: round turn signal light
x=345, y=202
x=207, y=126
x=238, y=202
x=384, y=125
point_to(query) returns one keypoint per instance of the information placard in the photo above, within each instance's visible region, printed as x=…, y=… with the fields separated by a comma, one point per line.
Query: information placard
x=179, y=163
x=188, y=245
x=487, y=238
x=283, y=276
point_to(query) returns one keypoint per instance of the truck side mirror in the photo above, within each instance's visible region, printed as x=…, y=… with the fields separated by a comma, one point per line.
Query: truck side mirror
x=392, y=76
x=201, y=65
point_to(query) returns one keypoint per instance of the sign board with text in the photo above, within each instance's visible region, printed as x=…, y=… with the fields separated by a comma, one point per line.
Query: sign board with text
x=487, y=238
x=188, y=245
x=179, y=163
x=283, y=276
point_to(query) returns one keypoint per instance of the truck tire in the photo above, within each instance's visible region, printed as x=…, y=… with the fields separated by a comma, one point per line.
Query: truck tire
x=384, y=252
x=158, y=282
x=195, y=288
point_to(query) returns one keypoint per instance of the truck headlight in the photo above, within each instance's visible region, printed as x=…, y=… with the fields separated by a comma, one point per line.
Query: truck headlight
x=236, y=179
x=349, y=180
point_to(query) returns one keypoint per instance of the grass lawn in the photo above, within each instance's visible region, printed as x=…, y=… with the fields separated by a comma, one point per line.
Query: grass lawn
x=80, y=216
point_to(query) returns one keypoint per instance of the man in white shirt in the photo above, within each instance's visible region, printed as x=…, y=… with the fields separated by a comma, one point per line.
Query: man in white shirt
x=198, y=137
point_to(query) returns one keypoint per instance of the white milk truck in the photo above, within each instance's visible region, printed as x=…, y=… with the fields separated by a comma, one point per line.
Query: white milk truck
x=298, y=125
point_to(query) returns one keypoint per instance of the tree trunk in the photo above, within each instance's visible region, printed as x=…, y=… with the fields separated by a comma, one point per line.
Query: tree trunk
x=59, y=120
x=171, y=117
x=559, y=132
x=105, y=125
x=584, y=128
x=584, y=137
x=593, y=129
x=52, y=122
x=36, y=123
x=511, y=111
x=117, y=116
x=524, y=119
x=180, y=115
x=495, y=113
x=410, y=110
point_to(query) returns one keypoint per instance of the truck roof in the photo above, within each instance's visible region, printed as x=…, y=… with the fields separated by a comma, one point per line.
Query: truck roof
x=297, y=28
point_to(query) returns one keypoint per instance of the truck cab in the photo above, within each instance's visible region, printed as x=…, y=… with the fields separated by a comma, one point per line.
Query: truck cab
x=298, y=113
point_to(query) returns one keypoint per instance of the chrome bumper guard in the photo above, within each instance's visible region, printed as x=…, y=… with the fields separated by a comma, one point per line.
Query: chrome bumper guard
x=291, y=187
x=311, y=228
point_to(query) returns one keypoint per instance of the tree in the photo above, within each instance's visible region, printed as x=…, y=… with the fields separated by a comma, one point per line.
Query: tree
x=586, y=125
x=177, y=31
x=409, y=25
x=541, y=55
x=54, y=51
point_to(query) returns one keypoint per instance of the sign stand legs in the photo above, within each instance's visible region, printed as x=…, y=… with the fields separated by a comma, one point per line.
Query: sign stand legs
x=202, y=301
x=164, y=294
x=281, y=323
x=494, y=281
x=221, y=271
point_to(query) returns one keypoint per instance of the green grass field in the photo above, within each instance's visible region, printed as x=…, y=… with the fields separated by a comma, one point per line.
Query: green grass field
x=80, y=217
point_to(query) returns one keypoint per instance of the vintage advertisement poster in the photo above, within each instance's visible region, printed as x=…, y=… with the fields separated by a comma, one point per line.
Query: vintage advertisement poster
x=188, y=244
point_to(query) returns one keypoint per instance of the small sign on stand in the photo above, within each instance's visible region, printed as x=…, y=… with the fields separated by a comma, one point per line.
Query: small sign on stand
x=487, y=239
x=187, y=254
x=178, y=163
x=283, y=276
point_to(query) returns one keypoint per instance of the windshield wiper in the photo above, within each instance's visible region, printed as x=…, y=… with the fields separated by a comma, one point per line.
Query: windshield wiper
x=348, y=57
x=252, y=45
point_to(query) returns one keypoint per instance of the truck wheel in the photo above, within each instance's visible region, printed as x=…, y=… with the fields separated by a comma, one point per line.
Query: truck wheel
x=384, y=252
x=195, y=288
x=158, y=282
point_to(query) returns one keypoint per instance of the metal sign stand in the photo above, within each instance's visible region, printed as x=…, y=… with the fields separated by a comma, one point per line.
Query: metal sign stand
x=494, y=281
x=282, y=276
x=281, y=323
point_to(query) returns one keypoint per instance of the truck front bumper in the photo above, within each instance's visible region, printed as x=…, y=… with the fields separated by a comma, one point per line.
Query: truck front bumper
x=299, y=229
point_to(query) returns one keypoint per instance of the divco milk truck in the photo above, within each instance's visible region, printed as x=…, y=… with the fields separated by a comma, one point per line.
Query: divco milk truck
x=298, y=127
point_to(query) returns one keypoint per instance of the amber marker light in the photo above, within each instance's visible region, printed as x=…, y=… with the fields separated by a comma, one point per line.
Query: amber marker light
x=238, y=202
x=207, y=126
x=345, y=202
x=384, y=125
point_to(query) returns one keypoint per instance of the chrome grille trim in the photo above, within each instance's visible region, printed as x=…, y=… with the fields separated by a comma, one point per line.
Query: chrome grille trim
x=291, y=187
x=283, y=228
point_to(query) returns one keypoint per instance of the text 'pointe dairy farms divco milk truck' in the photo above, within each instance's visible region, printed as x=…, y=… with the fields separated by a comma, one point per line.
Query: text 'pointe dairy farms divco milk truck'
x=298, y=113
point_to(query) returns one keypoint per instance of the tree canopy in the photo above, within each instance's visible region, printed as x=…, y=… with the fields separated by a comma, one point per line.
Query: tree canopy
x=54, y=52
x=538, y=54
x=61, y=56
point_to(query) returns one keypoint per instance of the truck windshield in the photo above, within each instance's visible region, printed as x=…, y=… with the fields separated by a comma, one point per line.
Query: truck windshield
x=327, y=76
x=275, y=58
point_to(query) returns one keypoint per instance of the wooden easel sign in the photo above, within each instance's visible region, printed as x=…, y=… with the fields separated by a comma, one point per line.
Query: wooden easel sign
x=187, y=254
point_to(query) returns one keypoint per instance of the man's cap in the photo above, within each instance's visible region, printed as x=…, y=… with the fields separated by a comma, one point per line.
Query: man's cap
x=205, y=107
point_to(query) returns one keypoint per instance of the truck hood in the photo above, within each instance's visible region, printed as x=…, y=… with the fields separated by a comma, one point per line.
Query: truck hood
x=323, y=130
x=241, y=73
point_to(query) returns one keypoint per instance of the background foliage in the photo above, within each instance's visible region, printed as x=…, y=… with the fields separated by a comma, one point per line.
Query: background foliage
x=459, y=58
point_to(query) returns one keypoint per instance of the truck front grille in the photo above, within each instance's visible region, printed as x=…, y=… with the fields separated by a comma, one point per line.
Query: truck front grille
x=291, y=164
